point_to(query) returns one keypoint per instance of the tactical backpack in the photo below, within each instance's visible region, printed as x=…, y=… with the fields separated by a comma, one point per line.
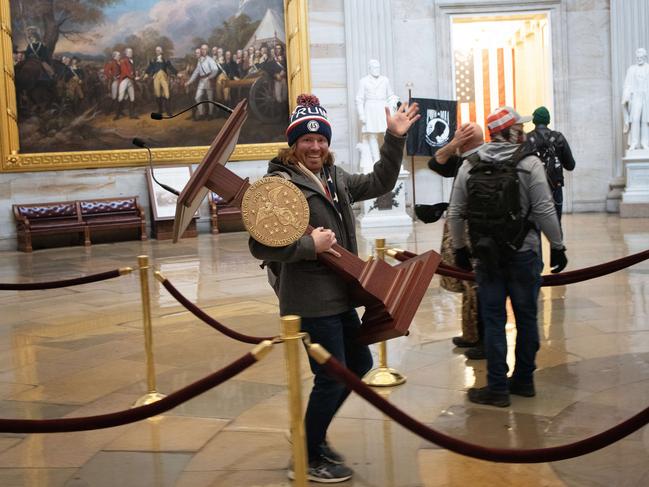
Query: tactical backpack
x=497, y=223
x=545, y=149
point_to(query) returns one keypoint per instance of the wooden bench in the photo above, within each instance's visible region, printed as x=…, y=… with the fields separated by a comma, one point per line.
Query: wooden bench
x=54, y=218
x=223, y=217
x=113, y=213
x=83, y=217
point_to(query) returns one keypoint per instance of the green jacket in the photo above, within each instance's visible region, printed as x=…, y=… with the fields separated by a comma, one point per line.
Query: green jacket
x=305, y=286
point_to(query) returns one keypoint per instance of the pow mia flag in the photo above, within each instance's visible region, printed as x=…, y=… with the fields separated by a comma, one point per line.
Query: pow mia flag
x=434, y=129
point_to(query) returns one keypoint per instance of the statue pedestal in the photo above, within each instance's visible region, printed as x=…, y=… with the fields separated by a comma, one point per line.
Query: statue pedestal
x=388, y=210
x=635, y=199
x=614, y=196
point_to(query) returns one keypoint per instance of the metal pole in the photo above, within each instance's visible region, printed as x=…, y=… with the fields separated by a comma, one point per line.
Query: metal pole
x=412, y=175
x=152, y=395
x=383, y=376
x=292, y=342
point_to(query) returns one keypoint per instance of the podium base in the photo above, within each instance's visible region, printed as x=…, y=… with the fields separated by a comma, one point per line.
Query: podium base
x=384, y=377
x=148, y=398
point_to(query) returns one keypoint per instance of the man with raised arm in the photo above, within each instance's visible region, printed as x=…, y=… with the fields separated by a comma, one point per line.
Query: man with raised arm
x=308, y=288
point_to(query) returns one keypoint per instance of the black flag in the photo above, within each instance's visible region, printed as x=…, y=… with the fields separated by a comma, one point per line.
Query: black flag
x=434, y=129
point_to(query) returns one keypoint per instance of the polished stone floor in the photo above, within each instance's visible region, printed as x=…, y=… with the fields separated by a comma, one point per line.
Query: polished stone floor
x=79, y=351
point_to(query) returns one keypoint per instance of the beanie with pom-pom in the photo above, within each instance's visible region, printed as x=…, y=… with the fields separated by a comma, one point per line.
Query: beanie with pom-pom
x=308, y=118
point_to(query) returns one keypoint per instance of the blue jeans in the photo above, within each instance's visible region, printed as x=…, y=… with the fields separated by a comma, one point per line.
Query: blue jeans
x=520, y=279
x=336, y=334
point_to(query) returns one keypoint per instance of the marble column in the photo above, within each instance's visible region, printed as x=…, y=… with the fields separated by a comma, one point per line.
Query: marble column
x=629, y=20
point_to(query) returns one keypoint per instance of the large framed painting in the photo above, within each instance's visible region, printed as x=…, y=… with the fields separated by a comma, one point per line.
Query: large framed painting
x=82, y=78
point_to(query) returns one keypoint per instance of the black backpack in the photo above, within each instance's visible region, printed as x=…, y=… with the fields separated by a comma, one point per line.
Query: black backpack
x=544, y=147
x=497, y=223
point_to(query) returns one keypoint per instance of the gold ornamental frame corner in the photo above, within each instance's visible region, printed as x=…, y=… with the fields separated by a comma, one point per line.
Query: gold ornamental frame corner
x=13, y=160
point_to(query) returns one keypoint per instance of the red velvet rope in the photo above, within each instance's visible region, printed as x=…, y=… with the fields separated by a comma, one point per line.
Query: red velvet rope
x=130, y=415
x=203, y=316
x=31, y=286
x=560, y=279
x=506, y=455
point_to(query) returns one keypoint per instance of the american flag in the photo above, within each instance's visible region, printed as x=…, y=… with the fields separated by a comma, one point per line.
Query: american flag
x=484, y=81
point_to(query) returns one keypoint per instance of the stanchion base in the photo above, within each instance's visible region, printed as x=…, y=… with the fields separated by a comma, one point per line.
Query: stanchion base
x=383, y=377
x=148, y=398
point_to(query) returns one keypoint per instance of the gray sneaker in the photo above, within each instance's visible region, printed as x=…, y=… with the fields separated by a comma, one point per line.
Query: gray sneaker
x=330, y=454
x=325, y=472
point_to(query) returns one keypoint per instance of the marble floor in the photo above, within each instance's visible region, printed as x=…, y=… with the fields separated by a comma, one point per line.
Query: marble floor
x=79, y=351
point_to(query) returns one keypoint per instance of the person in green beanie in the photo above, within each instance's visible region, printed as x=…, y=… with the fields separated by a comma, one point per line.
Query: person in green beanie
x=553, y=150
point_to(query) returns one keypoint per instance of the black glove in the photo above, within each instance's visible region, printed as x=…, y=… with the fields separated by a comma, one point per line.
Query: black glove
x=558, y=260
x=430, y=213
x=463, y=259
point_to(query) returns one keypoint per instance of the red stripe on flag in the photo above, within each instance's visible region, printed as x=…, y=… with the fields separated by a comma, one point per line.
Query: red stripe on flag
x=514, y=75
x=501, y=78
x=486, y=92
x=472, y=111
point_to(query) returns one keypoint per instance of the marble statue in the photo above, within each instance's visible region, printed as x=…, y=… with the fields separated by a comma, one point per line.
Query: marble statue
x=374, y=94
x=635, y=102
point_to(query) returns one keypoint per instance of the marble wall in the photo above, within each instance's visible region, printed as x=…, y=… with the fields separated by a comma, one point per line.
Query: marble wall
x=590, y=128
x=419, y=35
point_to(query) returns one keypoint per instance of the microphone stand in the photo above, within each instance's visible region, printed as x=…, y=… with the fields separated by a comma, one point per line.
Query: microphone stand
x=140, y=143
x=160, y=116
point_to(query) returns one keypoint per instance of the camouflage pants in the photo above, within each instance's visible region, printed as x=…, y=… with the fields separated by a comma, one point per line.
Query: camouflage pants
x=467, y=288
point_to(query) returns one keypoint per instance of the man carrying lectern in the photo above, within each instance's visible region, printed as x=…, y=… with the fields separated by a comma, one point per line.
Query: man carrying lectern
x=308, y=288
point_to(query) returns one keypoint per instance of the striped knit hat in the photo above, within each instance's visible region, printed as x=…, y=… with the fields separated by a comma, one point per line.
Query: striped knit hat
x=504, y=117
x=308, y=118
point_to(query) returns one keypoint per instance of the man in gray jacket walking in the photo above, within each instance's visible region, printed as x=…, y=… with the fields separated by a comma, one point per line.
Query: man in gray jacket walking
x=308, y=288
x=502, y=272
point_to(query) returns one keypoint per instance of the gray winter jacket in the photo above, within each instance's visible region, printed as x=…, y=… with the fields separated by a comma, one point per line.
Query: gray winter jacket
x=534, y=195
x=307, y=287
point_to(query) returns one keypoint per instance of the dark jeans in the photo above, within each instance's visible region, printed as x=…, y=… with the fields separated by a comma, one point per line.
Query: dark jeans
x=520, y=279
x=336, y=334
x=480, y=323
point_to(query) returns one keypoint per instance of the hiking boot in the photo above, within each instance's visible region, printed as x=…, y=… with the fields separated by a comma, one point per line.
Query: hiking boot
x=462, y=343
x=476, y=353
x=484, y=395
x=323, y=471
x=520, y=389
x=330, y=454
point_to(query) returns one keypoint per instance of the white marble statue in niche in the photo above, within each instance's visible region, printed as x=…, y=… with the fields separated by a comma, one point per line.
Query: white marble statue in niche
x=635, y=102
x=374, y=94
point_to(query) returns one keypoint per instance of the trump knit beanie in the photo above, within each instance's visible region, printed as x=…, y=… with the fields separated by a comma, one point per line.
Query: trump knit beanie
x=308, y=118
x=541, y=116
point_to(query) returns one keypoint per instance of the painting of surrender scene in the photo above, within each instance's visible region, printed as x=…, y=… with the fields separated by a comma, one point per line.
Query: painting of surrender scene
x=88, y=73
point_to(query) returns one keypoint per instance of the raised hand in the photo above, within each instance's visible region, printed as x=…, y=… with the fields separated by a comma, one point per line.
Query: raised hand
x=403, y=118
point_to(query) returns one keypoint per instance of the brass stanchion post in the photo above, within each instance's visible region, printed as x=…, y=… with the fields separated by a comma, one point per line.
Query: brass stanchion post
x=292, y=342
x=152, y=395
x=383, y=376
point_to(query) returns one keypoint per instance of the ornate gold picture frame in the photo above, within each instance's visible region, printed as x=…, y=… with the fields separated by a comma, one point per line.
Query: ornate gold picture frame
x=13, y=159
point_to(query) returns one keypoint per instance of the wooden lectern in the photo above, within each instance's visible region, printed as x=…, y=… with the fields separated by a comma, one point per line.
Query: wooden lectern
x=390, y=294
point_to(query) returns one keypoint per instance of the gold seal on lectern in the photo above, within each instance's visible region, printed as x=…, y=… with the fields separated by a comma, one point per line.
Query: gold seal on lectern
x=274, y=211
